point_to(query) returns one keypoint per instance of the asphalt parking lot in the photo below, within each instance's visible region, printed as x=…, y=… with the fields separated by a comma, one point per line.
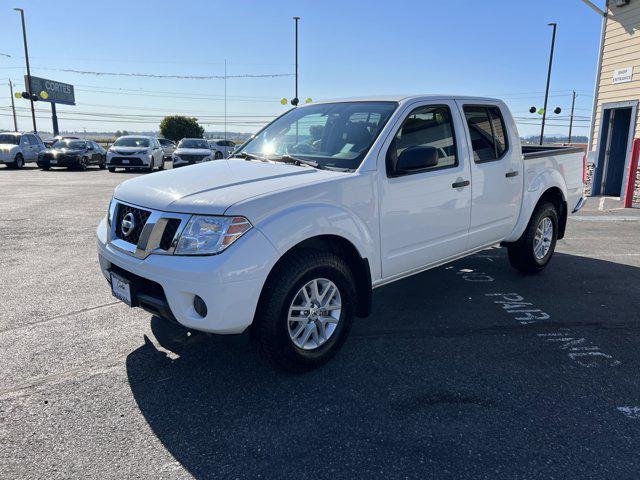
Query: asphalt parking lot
x=467, y=371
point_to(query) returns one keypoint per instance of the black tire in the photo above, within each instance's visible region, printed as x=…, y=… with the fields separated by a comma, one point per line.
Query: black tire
x=82, y=165
x=46, y=168
x=112, y=169
x=270, y=327
x=218, y=155
x=522, y=254
x=18, y=163
x=161, y=167
x=103, y=164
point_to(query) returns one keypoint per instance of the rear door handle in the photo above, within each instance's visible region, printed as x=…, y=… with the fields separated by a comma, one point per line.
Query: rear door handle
x=512, y=174
x=464, y=183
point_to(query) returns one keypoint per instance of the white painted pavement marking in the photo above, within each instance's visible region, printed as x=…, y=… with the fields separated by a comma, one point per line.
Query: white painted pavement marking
x=630, y=412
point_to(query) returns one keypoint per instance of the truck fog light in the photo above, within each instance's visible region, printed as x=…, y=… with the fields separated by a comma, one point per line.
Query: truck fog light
x=199, y=306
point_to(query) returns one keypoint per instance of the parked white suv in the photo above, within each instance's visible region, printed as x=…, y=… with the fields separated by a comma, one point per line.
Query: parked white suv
x=191, y=151
x=16, y=148
x=135, y=152
x=326, y=203
x=222, y=148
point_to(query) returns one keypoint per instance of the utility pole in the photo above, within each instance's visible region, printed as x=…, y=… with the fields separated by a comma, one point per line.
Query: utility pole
x=573, y=104
x=26, y=57
x=225, y=98
x=546, y=94
x=295, y=99
x=13, y=107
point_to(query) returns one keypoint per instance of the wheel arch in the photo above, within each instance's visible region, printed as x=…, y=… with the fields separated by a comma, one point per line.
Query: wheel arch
x=555, y=196
x=346, y=250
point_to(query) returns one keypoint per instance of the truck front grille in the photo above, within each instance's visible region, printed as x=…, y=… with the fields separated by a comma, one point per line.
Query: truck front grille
x=140, y=217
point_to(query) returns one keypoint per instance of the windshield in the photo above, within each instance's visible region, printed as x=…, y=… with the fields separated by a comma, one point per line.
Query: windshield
x=165, y=143
x=131, y=142
x=12, y=139
x=75, y=144
x=332, y=134
x=193, y=143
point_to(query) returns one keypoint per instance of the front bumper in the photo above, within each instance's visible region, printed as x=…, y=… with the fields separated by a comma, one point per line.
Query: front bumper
x=229, y=283
x=181, y=162
x=44, y=162
x=128, y=161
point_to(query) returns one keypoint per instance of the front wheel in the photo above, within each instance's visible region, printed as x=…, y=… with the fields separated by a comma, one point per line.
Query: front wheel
x=218, y=156
x=305, y=311
x=103, y=164
x=533, y=251
x=112, y=169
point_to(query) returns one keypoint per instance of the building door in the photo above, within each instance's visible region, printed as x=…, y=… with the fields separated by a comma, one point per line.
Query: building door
x=616, y=137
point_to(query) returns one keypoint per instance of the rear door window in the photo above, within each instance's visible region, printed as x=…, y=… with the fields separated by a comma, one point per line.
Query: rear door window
x=488, y=133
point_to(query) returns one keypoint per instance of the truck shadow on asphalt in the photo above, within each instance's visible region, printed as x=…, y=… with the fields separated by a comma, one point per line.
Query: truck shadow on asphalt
x=429, y=383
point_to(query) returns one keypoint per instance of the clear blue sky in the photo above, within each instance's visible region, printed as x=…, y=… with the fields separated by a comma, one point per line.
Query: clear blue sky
x=488, y=47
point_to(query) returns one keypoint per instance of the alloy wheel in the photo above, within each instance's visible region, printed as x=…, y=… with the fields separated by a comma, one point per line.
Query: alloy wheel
x=543, y=238
x=314, y=314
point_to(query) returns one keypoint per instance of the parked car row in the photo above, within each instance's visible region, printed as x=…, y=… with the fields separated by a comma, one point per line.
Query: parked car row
x=130, y=152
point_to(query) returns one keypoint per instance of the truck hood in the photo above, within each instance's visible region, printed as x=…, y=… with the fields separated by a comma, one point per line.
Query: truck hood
x=210, y=188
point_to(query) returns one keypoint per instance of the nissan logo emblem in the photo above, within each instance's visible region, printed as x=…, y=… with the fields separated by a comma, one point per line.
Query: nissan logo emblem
x=128, y=224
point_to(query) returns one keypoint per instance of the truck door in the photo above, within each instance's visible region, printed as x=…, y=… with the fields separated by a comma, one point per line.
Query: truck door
x=424, y=214
x=496, y=173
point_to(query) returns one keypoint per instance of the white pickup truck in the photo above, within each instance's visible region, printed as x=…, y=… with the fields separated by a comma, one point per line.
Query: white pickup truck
x=329, y=201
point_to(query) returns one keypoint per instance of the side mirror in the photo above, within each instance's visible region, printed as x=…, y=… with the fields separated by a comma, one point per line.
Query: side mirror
x=415, y=159
x=89, y=147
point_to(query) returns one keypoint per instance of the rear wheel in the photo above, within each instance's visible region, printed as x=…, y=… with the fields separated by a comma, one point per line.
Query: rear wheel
x=218, y=155
x=112, y=169
x=18, y=162
x=533, y=251
x=46, y=168
x=305, y=312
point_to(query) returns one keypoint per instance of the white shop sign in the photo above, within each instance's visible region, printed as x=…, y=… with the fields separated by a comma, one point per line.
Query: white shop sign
x=623, y=75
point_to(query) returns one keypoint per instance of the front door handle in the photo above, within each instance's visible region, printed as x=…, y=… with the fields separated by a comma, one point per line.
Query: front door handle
x=512, y=174
x=461, y=184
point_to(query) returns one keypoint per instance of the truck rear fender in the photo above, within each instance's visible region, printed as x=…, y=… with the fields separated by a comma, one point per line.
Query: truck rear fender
x=548, y=185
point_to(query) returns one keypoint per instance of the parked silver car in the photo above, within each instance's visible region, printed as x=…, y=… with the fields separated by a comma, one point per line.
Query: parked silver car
x=222, y=148
x=168, y=147
x=17, y=148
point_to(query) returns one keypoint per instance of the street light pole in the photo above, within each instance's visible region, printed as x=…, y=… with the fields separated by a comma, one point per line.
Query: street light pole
x=546, y=94
x=13, y=107
x=26, y=57
x=296, y=96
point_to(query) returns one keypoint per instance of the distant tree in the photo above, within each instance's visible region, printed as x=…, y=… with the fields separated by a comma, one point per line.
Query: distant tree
x=177, y=127
x=118, y=134
x=125, y=132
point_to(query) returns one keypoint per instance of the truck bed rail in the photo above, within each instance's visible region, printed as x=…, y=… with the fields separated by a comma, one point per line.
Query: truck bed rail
x=534, y=151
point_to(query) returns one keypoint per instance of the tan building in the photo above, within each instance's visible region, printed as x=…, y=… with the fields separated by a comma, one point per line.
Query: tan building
x=615, y=117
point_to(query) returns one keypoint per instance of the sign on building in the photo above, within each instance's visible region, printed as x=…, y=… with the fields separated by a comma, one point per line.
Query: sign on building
x=57, y=92
x=623, y=75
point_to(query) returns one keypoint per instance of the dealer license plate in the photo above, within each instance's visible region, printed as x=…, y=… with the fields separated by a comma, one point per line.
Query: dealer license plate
x=121, y=288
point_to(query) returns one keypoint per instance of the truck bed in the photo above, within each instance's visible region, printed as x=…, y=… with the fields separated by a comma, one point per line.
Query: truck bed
x=537, y=151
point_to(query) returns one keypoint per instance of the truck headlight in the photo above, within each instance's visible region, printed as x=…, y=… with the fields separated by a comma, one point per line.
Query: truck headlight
x=208, y=235
x=111, y=212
